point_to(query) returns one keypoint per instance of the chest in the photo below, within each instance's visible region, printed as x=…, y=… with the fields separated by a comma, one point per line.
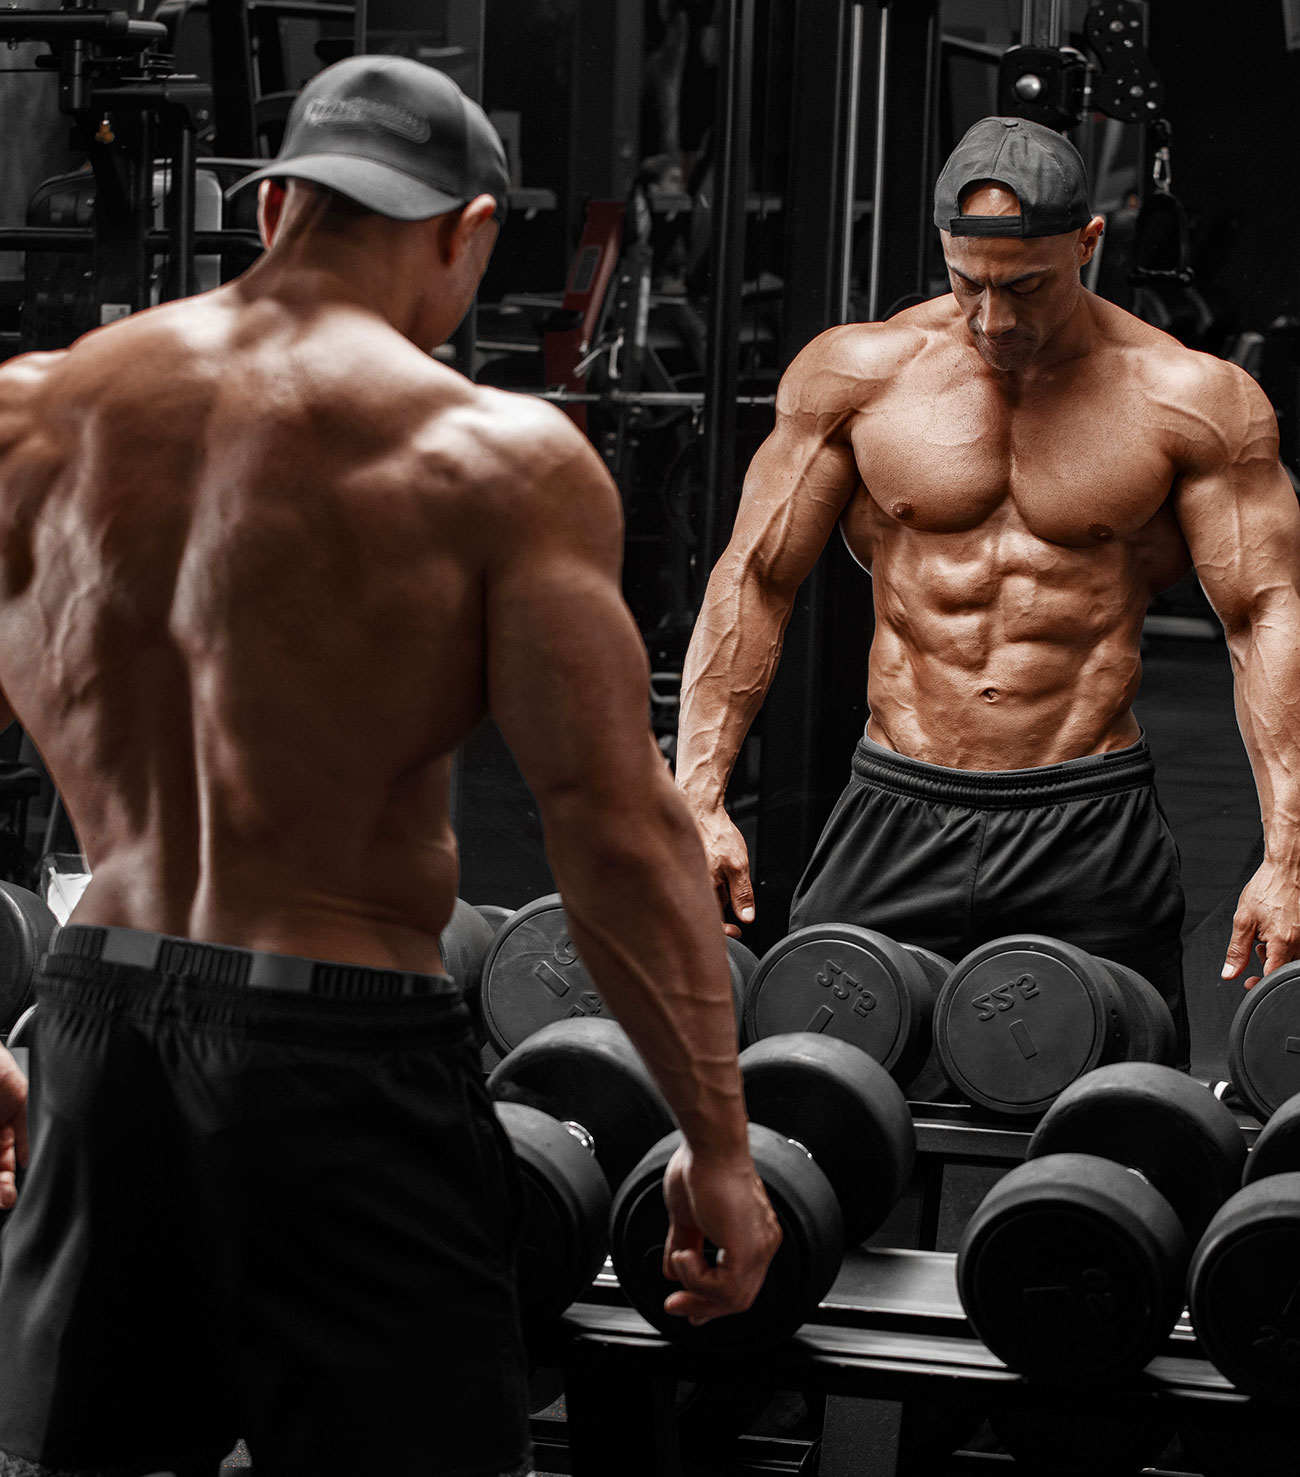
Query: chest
x=1077, y=461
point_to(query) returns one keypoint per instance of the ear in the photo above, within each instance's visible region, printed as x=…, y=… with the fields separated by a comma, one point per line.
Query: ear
x=1089, y=237
x=469, y=225
x=270, y=205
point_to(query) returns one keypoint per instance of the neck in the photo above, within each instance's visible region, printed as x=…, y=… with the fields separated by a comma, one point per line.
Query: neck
x=387, y=268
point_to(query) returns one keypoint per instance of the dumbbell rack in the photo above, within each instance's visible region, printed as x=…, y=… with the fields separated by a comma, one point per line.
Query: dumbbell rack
x=891, y=1329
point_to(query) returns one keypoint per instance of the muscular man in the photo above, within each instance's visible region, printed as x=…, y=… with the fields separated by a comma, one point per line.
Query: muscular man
x=1020, y=465
x=264, y=564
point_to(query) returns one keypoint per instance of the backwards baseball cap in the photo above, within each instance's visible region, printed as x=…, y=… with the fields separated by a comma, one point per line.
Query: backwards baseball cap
x=393, y=135
x=1042, y=167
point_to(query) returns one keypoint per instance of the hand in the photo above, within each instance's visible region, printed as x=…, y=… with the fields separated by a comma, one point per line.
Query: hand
x=728, y=859
x=1268, y=912
x=729, y=1208
x=13, y=1127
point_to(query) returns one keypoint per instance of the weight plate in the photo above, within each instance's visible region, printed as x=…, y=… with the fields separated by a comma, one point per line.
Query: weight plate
x=532, y=976
x=931, y=1085
x=1245, y=1289
x=801, y=1272
x=26, y=925
x=495, y=915
x=1276, y=1149
x=1163, y=1124
x=1071, y=1270
x=464, y=944
x=1151, y=1033
x=1021, y=1018
x=743, y=963
x=588, y=1072
x=565, y=1213
x=846, y=1110
x=1264, y=1042
x=837, y=979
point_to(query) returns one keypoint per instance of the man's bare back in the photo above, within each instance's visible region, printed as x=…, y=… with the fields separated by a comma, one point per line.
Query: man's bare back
x=248, y=553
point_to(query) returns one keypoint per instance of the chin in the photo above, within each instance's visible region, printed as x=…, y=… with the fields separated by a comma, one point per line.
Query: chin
x=1013, y=356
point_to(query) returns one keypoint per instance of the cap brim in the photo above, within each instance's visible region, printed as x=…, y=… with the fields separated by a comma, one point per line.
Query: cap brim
x=379, y=187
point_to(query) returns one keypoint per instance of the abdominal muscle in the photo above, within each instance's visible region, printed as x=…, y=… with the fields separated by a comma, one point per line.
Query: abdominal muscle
x=996, y=654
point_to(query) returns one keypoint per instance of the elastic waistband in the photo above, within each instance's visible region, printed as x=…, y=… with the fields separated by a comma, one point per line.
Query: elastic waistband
x=254, y=969
x=1087, y=778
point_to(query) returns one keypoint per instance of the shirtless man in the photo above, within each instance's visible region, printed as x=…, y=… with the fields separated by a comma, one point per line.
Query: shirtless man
x=264, y=564
x=1020, y=465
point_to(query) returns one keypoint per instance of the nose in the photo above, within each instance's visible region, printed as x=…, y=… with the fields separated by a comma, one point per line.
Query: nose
x=997, y=314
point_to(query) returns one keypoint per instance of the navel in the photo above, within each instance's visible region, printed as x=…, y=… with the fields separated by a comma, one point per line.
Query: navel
x=990, y=694
x=1102, y=532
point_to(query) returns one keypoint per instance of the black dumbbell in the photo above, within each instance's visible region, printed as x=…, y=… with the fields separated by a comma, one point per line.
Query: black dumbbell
x=580, y=1109
x=833, y=1141
x=1073, y=1268
x=26, y=925
x=851, y=983
x=1264, y=1041
x=495, y=915
x=533, y=975
x=1022, y=1017
x=1245, y=1273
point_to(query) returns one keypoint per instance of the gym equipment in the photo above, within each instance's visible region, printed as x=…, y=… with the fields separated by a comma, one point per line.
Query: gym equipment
x=495, y=915
x=1089, y=1446
x=21, y=1034
x=26, y=924
x=1072, y=1269
x=930, y=1085
x=1022, y=1017
x=847, y=982
x=1264, y=1041
x=1245, y=1273
x=533, y=975
x=580, y=1109
x=833, y=1141
x=465, y=943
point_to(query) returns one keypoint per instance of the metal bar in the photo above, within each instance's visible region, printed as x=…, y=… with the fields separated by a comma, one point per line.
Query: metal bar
x=727, y=268
x=180, y=215
x=232, y=70
x=878, y=182
x=650, y=398
x=850, y=159
x=82, y=238
x=40, y=25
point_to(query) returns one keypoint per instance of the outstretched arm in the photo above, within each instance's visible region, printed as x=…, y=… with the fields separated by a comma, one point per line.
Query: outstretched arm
x=798, y=484
x=568, y=683
x=1241, y=520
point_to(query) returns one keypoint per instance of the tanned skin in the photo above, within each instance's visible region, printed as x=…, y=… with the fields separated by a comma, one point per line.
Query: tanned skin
x=1020, y=465
x=264, y=564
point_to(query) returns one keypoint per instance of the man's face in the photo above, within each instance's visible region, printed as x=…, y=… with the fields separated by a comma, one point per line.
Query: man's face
x=1014, y=292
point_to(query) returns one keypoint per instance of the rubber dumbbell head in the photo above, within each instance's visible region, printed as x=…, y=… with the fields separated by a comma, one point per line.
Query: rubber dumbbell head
x=833, y=1142
x=533, y=975
x=930, y=1084
x=1264, y=1041
x=26, y=927
x=1150, y=1034
x=23, y=1029
x=1245, y=1273
x=1073, y=1268
x=580, y=1108
x=836, y=979
x=1023, y=1017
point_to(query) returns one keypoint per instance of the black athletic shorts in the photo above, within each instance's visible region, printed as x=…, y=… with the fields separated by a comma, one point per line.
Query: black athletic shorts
x=268, y=1199
x=950, y=858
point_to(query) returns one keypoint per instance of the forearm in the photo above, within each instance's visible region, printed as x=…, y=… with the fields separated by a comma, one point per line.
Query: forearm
x=729, y=667
x=1266, y=672
x=641, y=912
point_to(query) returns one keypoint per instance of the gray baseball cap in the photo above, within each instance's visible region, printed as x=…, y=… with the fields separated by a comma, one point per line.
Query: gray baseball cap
x=394, y=135
x=1042, y=167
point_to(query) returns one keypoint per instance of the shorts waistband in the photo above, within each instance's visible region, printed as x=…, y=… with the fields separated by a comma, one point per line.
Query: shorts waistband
x=254, y=969
x=1089, y=777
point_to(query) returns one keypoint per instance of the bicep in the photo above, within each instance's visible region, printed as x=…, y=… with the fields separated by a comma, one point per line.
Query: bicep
x=1239, y=515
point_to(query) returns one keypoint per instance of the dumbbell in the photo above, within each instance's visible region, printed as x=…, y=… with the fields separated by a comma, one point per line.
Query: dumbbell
x=21, y=1034
x=1264, y=1041
x=858, y=985
x=533, y=975
x=832, y=1138
x=580, y=1109
x=26, y=926
x=1022, y=1017
x=1245, y=1273
x=495, y=915
x=1073, y=1268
